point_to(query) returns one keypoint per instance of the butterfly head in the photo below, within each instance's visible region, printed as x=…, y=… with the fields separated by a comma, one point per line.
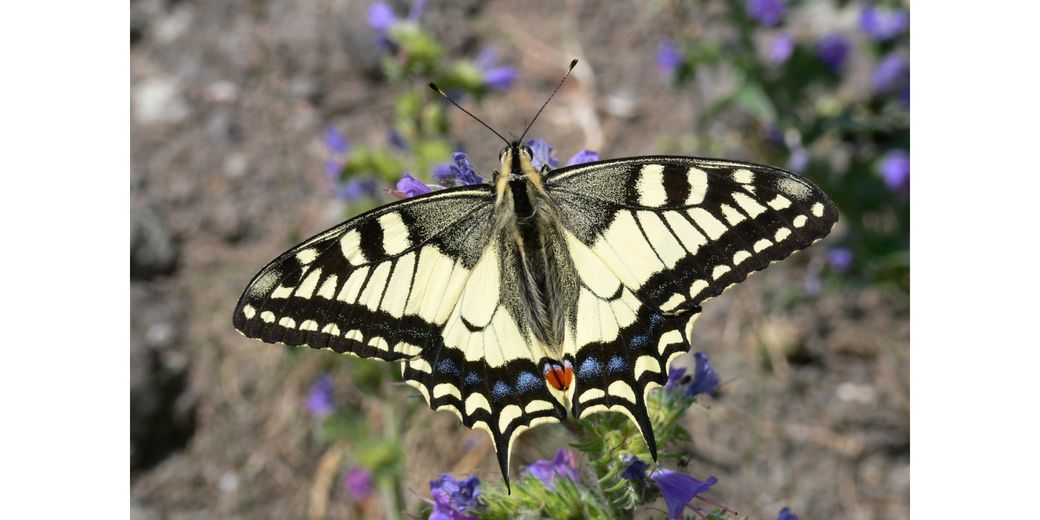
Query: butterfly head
x=517, y=167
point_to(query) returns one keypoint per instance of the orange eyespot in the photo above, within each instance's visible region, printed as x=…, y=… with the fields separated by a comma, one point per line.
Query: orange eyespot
x=559, y=377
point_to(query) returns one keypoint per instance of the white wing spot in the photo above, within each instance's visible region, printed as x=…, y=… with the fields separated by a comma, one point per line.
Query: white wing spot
x=817, y=209
x=355, y=335
x=732, y=216
x=590, y=394
x=249, y=311
x=696, y=287
x=740, y=256
x=307, y=256
x=306, y=288
x=476, y=402
x=781, y=234
x=762, y=244
x=267, y=316
x=350, y=244
x=698, y=180
x=331, y=329
x=672, y=302
x=650, y=186
x=395, y=233
x=719, y=271
x=309, y=325
x=780, y=202
x=380, y=343
x=507, y=416
x=622, y=390
x=799, y=221
x=287, y=322
x=444, y=389
x=744, y=176
x=282, y=292
x=421, y=365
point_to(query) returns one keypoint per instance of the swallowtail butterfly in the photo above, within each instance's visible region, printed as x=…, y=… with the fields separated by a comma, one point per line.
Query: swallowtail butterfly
x=542, y=295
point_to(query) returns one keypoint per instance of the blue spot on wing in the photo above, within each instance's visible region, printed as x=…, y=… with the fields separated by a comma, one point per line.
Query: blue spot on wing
x=527, y=381
x=472, y=378
x=616, y=364
x=640, y=341
x=500, y=391
x=447, y=366
x=590, y=367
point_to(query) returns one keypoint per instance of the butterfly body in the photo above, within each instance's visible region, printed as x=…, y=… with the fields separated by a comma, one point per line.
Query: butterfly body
x=540, y=296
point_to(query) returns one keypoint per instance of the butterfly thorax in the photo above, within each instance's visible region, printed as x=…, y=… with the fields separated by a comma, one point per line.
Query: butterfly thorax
x=528, y=223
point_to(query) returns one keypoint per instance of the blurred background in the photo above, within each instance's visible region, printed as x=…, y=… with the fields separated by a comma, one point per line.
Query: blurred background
x=256, y=124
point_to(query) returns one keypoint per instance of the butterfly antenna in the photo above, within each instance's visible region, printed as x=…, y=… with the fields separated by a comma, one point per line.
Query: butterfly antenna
x=568, y=73
x=441, y=92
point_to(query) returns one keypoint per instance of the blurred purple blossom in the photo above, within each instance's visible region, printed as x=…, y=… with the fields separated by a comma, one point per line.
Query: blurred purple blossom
x=798, y=160
x=833, y=49
x=542, y=154
x=895, y=169
x=668, y=57
x=381, y=17
x=452, y=499
x=635, y=469
x=458, y=171
x=409, y=186
x=766, y=12
x=582, y=157
x=493, y=75
x=562, y=464
x=781, y=48
x=418, y=6
x=786, y=514
x=358, y=482
x=891, y=72
x=356, y=188
x=320, y=400
x=397, y=140
x=336, y=141
x=840, y=259
x=883, y=24
x=678, y=489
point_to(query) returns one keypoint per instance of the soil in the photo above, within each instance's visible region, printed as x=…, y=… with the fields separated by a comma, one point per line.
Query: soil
x=229, y=103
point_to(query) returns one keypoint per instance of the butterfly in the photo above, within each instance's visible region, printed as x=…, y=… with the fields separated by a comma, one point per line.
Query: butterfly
x=544, y=294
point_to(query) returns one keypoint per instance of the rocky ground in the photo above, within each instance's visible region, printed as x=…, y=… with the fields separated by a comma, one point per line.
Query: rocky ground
x=229, y=103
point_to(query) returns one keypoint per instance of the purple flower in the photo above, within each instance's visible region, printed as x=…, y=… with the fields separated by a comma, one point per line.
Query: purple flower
x=356, y=189
x=668, y=57
x=705, y=379
x=417, y=10
x=786, y=514
x=781, y=48
x=833, y=49
x=582, y=157
x=410, y=186
x=883, y=24
x=798, y=160
x=320, y=400
x=397, y=140
x=453, y=498
x=358, y=482
x=543, y=154
x=494, y=76
x=336, y=141
x=459, y=171
x=895, y=169
x=381, y=17
x=766, y=12
x=678, y=489
x=563, y=464
x=840, y=259
x=891, y=72
x=635, y=469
